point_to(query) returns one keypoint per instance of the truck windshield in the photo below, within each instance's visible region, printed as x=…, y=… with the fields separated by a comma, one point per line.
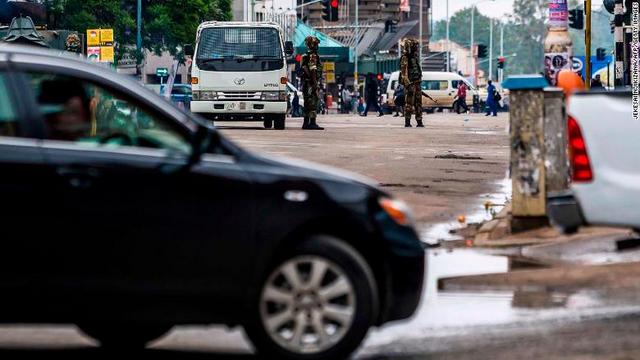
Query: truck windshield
x=239, y=49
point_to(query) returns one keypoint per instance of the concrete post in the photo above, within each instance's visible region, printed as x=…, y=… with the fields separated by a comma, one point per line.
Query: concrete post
x=555, y=141
x=527, y=167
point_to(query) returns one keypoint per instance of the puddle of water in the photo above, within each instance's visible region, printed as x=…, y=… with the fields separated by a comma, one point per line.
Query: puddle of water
x=433, y=234
x=457, y=313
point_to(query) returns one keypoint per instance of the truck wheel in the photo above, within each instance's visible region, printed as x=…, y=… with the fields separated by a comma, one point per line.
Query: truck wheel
x=280, y=122
x=124, y=335
x=268, y=124
x=318, y=302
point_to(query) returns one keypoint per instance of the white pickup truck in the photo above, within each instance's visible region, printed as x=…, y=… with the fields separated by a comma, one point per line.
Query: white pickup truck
x=604, y=150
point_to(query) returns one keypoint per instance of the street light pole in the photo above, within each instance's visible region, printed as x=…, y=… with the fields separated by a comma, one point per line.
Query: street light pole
x=448, y=42
x=490, y=49
x=473, y=58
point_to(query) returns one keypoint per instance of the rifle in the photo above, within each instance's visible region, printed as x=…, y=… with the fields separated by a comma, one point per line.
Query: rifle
x=427, y=95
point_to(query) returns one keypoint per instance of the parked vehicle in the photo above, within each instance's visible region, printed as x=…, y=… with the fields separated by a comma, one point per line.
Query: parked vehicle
x=129, y=226
x=181, y=94
x=441, y=86
x=603, y=148
x=239, y=72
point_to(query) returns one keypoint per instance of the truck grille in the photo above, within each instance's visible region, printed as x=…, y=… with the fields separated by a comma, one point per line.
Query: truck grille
x=239, y=95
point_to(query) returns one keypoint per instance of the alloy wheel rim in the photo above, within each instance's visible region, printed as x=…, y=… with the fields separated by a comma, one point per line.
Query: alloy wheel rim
x=307, y=305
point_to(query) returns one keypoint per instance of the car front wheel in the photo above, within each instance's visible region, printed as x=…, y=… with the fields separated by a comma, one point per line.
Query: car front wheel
x=317, y=303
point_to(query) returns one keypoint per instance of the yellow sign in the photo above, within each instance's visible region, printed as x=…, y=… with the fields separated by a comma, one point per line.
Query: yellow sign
x=93, y=37
x=106, y=54
x=106, y=36
x=330, y=78
x=329, y=66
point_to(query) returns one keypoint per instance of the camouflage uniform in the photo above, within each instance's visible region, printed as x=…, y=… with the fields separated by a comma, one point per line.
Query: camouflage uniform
x=311, y=76
x=411, y=78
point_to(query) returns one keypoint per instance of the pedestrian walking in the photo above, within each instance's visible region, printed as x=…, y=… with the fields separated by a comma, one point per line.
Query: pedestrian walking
x=597, y=83
x=372, y=95
x=346, y=100
x=295, y=106
x=411, y=78
x=398, y=100
x=311, y=76
x=492, y=100
x=461, y=98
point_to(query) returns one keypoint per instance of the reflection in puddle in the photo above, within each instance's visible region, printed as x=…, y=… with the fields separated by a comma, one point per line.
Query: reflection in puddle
x=433, y=234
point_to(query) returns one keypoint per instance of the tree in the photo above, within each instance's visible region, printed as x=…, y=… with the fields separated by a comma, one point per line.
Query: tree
x=167, y=24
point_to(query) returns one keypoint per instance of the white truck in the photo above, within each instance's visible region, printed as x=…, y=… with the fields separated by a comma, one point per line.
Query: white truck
x=605, y=163
x=239, y=72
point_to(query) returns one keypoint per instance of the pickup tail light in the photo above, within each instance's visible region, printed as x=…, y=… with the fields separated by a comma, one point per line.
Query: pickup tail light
x=580, y=163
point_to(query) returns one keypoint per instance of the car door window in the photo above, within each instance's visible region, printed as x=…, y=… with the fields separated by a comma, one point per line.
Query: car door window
x=8, y=117
x=434, y=85
x=79, y=111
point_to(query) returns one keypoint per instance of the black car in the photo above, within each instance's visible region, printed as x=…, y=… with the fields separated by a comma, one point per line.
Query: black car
x=125, y=216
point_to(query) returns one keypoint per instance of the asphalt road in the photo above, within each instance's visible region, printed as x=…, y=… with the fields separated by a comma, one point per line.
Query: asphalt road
x=447, y=169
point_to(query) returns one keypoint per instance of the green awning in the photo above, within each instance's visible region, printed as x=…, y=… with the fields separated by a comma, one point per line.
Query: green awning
x=329, y=49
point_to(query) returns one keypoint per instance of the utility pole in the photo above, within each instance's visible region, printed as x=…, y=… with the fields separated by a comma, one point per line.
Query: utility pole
x=473, y=58
x=448, y=42
x=490, y=49
x=139, y=38
x=501, y=71
x=355, y=75
x=587, y=44
x=420, y=29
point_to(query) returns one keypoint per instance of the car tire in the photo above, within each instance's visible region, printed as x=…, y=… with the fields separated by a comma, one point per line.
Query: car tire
x=279, y=122
x=347, y=303
x=268, y=124
x=124, y=335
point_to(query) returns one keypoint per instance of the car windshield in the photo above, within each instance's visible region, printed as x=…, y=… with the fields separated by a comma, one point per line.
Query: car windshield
x=240, y=49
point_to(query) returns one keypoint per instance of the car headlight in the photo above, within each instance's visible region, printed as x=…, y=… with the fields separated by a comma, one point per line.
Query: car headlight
x=397, y=210
x=205, y=95
x=273, y=96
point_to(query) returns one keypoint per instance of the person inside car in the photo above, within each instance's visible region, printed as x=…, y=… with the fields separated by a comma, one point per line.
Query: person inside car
x=66, y=108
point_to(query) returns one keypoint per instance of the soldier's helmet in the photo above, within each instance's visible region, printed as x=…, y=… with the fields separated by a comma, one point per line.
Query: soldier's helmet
x=312, y=43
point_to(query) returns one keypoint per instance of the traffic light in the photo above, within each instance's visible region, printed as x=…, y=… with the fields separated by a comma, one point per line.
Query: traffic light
x=601, y=54
x=330, y=10
x=501, y=60
x=482, y=51
x=380, y=77
x=576, y=19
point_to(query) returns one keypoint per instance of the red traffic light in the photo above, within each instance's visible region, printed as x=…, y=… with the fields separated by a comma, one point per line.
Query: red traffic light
x=501, y=59
x=334, y=3
x=380, y=77
x=298, y=58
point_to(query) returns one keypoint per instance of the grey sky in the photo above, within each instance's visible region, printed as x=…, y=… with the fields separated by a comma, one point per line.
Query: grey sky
x=495, y=9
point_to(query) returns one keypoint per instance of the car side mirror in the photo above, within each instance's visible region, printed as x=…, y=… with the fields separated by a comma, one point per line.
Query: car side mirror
x=205, y=140
x=188, y=49
x=288, y=48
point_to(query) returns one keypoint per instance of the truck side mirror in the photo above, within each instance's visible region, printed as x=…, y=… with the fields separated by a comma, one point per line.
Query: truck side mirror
x=188, y=49
x=288, y=48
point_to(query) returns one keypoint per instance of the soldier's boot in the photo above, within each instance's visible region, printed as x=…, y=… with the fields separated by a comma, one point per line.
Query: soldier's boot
x=407, y=123
x=313, y=125
x=305, y=123
x=420, y=124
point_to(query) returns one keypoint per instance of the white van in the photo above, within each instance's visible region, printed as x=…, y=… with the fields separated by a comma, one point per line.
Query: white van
x=239, y=72
x=442, y=86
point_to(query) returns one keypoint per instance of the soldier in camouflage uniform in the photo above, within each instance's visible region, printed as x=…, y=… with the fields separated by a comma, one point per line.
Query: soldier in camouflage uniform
x=311, y=76
x=411, y=78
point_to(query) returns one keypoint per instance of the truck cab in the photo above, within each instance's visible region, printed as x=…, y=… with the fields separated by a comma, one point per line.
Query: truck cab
x=239, y=72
